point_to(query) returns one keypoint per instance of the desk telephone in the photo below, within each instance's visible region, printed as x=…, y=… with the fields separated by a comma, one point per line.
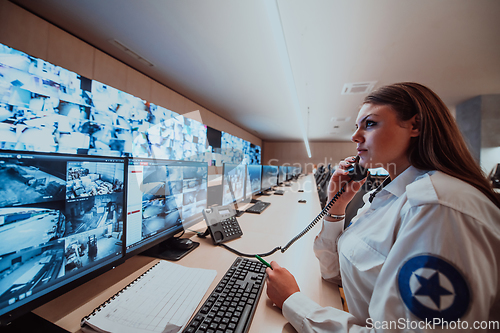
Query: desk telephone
x=223, y=226
x=222, y=223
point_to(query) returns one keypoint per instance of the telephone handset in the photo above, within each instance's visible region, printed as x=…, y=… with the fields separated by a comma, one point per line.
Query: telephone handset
x=356, y=173
x=222, y=224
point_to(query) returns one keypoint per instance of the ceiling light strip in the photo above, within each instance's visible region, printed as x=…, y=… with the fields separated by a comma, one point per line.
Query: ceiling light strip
x=279, y=36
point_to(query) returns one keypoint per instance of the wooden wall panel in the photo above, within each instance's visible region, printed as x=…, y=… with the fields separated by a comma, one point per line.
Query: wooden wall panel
x=177, y=103
x=294, y=153
x=160, y=95
x=110, y=71
x=138, y=84
x=69, y=52
x=190, y=106
x=22, y=30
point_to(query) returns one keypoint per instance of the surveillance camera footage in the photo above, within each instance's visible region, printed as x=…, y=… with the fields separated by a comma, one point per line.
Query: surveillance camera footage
x=44, y=107
x=48, y=235
x=163, y=196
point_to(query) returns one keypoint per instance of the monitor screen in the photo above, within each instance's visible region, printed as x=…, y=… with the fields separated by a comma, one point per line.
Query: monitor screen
x=163, y=198
x=269, y=176
x=61, y=218
x=289, y=172
x=233, y=183
x=254, y=179
x=282, y=174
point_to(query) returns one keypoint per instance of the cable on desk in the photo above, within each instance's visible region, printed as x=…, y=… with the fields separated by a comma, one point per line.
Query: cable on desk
x=250, y=255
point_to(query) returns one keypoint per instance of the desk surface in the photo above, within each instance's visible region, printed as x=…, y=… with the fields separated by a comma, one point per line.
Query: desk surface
x=279, y=223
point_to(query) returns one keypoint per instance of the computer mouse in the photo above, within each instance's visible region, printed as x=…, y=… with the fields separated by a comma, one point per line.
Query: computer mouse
x=184, y=244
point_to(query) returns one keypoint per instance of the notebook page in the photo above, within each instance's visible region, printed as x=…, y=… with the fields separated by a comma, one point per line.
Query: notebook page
x=162, y=300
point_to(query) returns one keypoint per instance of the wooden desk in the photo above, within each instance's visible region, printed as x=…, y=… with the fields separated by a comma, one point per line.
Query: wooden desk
x=279, y=223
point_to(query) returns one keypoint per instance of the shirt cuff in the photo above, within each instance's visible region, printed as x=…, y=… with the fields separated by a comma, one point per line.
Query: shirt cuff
x=297, y=307
x=333, y=227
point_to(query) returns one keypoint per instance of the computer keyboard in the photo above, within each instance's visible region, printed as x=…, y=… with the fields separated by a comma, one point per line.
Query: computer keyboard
x=231, y=305
x=279, y=192
x=258, y=207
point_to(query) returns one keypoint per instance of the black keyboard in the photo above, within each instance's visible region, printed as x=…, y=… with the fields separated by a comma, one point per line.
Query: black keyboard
x=279, y=192
x=258, y=207
x=231, y=305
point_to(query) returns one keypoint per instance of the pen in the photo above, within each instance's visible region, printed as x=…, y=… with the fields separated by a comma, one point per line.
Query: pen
x=263, y=261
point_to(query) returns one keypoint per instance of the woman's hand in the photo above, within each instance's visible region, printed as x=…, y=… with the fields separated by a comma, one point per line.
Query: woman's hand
x=339, y=179
x=280, y=284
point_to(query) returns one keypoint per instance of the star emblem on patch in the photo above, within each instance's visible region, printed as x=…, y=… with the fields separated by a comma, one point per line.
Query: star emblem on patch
x=431, y=287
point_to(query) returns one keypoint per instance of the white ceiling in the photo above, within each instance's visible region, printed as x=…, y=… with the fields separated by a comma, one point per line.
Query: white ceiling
x=277, y=68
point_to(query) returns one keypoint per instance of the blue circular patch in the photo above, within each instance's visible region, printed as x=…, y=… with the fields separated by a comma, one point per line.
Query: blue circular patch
x=433, y=288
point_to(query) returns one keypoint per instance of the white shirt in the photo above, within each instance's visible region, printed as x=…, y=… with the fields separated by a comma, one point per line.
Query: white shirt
x=426, y=250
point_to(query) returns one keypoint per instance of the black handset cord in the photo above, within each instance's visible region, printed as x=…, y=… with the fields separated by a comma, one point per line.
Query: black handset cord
x=296, y=238
x=318, y=218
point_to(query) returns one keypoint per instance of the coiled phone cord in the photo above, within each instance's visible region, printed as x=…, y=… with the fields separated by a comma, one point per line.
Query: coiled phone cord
x=317, y=219
x=296, y=238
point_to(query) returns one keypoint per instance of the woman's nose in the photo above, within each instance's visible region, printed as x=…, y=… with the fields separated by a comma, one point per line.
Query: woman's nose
x=356, y=136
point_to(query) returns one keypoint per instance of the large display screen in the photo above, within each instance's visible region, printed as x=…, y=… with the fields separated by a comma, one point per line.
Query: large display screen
x=61, y=217
x=163, y=197
x=44, y=107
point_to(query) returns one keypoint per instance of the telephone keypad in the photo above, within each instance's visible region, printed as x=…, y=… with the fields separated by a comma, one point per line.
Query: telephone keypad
x=230, y=227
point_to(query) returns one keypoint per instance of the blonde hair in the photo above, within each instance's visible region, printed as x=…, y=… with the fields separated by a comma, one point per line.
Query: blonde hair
x=440, y=145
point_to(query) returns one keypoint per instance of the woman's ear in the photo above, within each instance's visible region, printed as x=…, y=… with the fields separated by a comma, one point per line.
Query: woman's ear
x=415, y=123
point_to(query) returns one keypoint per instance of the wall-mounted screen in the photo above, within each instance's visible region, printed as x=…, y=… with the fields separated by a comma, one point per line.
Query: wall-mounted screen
x=44, y=107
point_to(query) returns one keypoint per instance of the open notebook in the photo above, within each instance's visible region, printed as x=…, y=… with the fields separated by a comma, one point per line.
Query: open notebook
x=160, y=300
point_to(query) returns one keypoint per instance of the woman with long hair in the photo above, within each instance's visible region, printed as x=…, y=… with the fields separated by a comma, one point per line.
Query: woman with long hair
x=423, y=253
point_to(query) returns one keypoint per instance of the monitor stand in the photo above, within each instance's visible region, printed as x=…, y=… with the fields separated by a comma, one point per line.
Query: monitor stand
x=31, y=322
x=171, y=249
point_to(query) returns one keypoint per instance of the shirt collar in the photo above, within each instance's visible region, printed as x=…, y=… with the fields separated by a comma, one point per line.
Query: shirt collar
x=398, y=185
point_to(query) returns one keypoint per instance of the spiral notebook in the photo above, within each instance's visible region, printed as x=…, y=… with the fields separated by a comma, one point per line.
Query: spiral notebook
x=160, y=300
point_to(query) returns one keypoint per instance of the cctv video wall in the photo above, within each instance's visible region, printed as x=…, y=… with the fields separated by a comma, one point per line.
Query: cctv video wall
x=47, y=108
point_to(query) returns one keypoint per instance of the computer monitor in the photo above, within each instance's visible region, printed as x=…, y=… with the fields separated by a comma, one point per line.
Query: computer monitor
x=233, y=183
x=164, y=197
x=288, y=171
x=269, y=176
x=282, y=174
x=61, y=224
x=254, y=179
